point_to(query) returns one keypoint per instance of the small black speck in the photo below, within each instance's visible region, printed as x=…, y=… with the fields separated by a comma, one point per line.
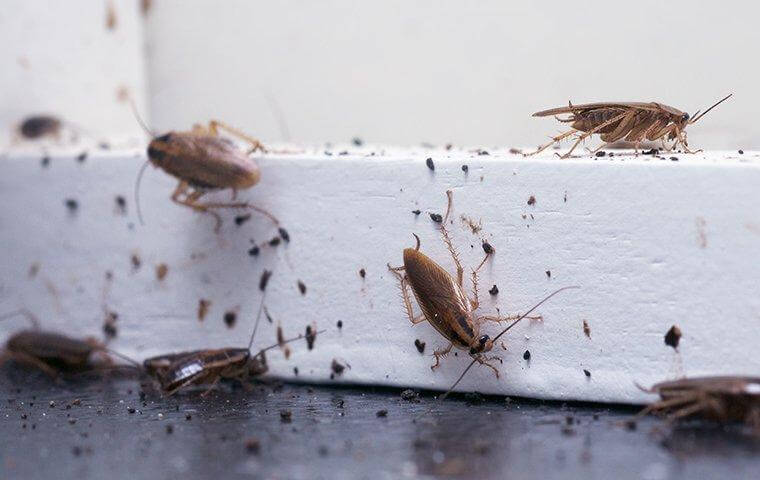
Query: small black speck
x=653, y=151
x=382, y=413
x=188, y=417
x=274, y=242
x=494, y=290
x=295, y=371
x=284, y=234
x=253, y=251
x=339, y=324
x=465, y=168
x=416, y=212
x=82, y=157
x=302, y=287
x=741, y=152
x=587, y=373
x=420, y=345
x=630, y=425
x=286, y=416
x=362, y=273
x=531, y=200
x=548, y=274
x=104, y=146
x=358, y=142
x=673, y=336
x=483, y=152
x=488, y=248
x=77, y=451
x=45, y=161
x=430, y=164
x=229, y=318
x=448, y=146
x=436, y=217
x=526, y=355
x=601, y=153
x=674, y=159
x=241, y=219
x=131, y=409
x=265, y=275
x=169, y=429
x=344, y=152
x=71, y=204
x=121, y=204
x=311, y=336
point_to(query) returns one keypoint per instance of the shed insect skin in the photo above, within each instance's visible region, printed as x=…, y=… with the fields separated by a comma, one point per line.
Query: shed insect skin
x=204, y=161
x=629, y=121
x=52, y=352
x=721, y=399
x=444, y=302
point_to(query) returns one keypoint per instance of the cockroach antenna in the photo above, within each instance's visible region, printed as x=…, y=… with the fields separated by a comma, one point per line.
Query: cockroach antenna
x=443, y=397
x=694, y=120
x=147, y=130
x=139, y=118
x=258, y=318
x=25, y=313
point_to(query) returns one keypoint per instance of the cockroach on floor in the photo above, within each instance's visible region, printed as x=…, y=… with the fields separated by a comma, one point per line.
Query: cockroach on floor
x=179, y=370
x=629, y=121
x=203, y=161
x=52, y=352
x=721, y=399
x=443, y=300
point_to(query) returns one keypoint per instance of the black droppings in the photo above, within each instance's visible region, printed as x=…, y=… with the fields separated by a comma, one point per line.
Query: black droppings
x=230, y=317
x=252, y=445
x=488, y=248
x=358, y=142
x=188, y=417
x=741, y=152
x=673, y=337
x=674, y=159
x=483, y=152
x=121, y=204
x=71, y=204
x=169, y=429
x=45, y=161
x=286, y=416
x=601, y=153
x=526, y=355
x=494, y=290
x=337, y=367
x=548, y=274
x=241, y=219
x=587, y=373
x=265, y=276
x=436, y=217
x=531, y=200
x=416, y=212
x=382, y=413
x=39, y=125
x=302, y=287
x=311, y=336
x=430, y=164
x=339, y=324
x=82, y=157
x=131, y=409
x=420, y=345
x=465, y=168
x=274, y=241
x=362, y=273
x=284, y=234
x=253, y=251
x=653, y=151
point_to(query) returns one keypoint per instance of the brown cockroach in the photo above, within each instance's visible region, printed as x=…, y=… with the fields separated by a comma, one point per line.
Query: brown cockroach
x=629, y=121
x=721, y=399
x=204, y=161
x=53, y=352
x=38, y=126
x=443, y=300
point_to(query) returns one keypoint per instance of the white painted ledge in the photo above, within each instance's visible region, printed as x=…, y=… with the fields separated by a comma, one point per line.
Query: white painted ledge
x=652, y=242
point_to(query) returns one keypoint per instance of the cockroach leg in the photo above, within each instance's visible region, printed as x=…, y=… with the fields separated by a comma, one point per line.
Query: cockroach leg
x=440, y=353
x=484, y=360
x=191, y=200
x=215, y=125
x=35, y=362
x=556, y=139
x=508, y=318
x=475, y=302
x=585, y=135
x=447, y=239
x=404, y=284
x=212, y=386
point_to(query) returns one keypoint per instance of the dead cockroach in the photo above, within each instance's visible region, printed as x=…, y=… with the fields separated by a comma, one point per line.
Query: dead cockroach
x=53, y=352
x=204, y=161
x=721, y=399
x=443, y=301
x=631, y=121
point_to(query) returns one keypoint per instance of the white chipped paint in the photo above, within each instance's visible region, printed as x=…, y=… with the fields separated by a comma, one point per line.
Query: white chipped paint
x=652, y=243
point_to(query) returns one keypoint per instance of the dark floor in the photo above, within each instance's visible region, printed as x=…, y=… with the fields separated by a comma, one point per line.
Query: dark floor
x=102, y=428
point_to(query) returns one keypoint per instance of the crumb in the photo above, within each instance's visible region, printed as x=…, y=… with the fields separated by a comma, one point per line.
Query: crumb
x=230, y=317
x=673, y=337
x=284, y=235
x=436, y=217
x=531, y=200
x=494, y=290
x=430, y=164
x=416, y=212
x=265, y=275
x=362, y=273
x=587, y=373
x=302, y=287
x=586, y=329
x=161, y=270
x=526, y=355
x=382, y=413
x=420, y=345
x=241, y=219
x=203, y=307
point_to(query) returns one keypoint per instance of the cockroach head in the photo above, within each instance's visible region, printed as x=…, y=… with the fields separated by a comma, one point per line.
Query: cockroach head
x=485, y=344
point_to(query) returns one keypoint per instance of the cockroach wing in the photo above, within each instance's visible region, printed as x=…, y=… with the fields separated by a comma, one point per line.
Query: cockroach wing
x=651, y=106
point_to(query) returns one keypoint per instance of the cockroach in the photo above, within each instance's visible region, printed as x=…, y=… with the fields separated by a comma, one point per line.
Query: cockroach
x=443, y=300
x=38, y=126
x=203, y=161
x=722, y=399
x=629, y=121
x=53, y=352
x=179, y=370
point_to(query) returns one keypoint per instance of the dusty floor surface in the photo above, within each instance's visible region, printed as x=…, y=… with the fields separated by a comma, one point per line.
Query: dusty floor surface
x=95, y=428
